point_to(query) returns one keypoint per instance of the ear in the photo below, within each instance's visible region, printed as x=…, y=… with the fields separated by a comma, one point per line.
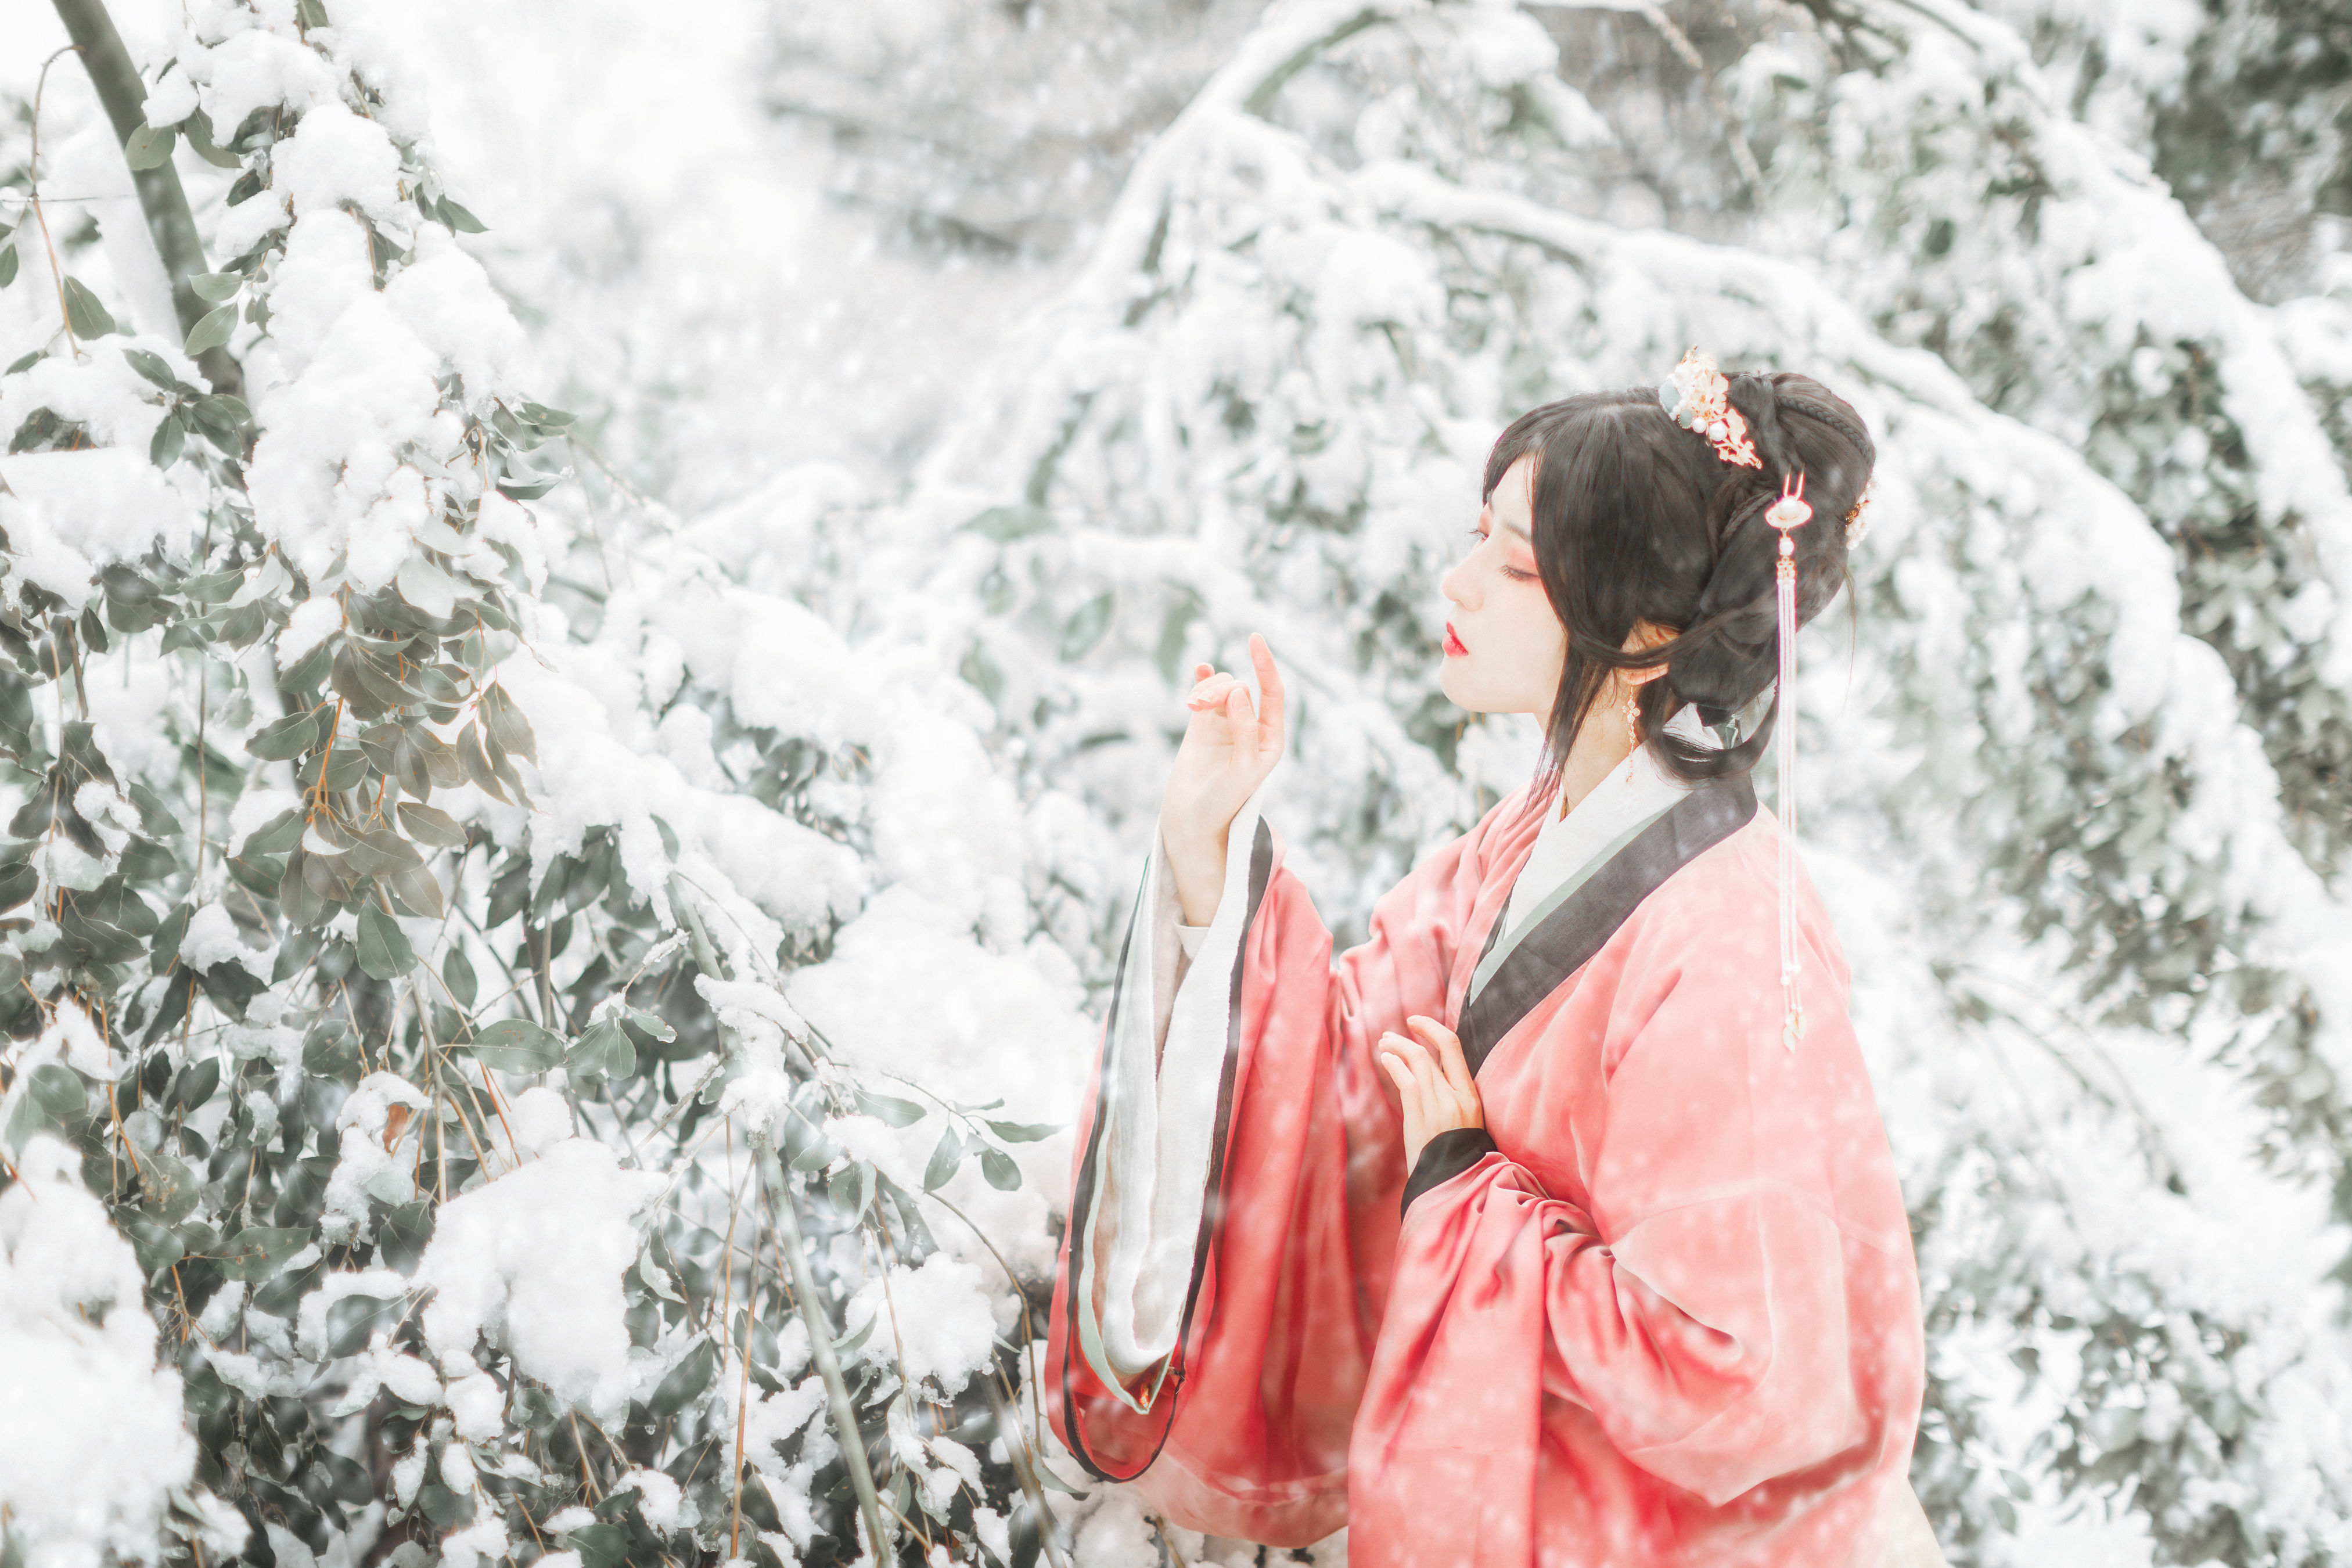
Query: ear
x=1645, y=635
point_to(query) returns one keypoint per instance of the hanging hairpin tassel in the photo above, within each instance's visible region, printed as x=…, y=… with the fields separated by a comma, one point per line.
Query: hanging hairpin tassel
x=1788, y=514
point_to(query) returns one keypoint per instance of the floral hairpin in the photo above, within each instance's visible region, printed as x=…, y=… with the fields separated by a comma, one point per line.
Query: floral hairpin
x=1857, y=525
x=1698, y=398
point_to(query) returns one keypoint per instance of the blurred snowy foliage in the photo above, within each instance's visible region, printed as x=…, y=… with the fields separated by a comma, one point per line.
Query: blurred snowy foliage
x=692, y=666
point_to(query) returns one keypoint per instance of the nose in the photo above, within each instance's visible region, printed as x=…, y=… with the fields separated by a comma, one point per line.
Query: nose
x=1456, y=586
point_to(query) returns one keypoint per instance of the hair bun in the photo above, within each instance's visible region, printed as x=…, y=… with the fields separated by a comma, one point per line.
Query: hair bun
x=1637, y=519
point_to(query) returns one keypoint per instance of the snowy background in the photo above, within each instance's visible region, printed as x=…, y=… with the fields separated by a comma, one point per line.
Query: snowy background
x=942, y=379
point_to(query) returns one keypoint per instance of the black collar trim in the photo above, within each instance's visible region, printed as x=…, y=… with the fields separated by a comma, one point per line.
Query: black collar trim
x=1582, y=925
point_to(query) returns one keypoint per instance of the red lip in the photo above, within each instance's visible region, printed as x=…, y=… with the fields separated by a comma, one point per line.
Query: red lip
x=1453, y=648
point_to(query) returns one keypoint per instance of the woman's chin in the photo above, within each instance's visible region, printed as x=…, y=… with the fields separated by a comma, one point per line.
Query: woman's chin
x=1453, y=680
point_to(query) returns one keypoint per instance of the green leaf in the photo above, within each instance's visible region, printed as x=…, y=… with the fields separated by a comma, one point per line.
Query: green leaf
x=506, y=724
x=434, y=681
x=212, y=331
x=425, y=587
x=418, y=889
x=170, y=438
x=198, y=129
x=331, y=1050
x=18, y=883
x=153, y=814
x=57, y=1090
x=1001, y=1173
x=377, y=850
x=477, y=764
x=286, y=739
x=400, y=1240
x=1053, y=1482
x=457, y=974
x=9, y=276
x=600, y=1545
x=653, y=1024
x=385, y=952
x=1023, y=1131
x=212, y=587
x=864, y=1331
x=166, y=951
x=222, y=414
x=84, y=314
x=310, y=14
x=353, y=1321
x=458, y=218
x=529, y=487
x=518, y=1045
x=149, y=148
x=300, y=895
x=153, y=367
x=22, y=361
x=216, y=288
x=195, y=1085
x=851, y=1189
x=428, y=825
x=277, y=835
x=156, y=1244
x=167, y=1187
x=944, y=1160
x=604, y=1051
x=683, y=1384
x=896, y=1112
x=24, y=1121
x=1086, y=628
x=257, y=1251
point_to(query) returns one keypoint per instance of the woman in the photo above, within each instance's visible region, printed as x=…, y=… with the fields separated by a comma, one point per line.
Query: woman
x=1555, y=1224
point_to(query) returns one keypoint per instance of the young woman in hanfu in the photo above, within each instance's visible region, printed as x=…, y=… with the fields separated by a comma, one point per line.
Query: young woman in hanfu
x=1556, y=1223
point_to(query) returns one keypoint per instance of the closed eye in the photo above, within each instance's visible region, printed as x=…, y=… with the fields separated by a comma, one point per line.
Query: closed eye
x=1512, y=572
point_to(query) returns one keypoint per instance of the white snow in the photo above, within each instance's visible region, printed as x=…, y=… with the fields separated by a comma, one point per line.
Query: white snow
x=91, y=1474
x=534, y=1260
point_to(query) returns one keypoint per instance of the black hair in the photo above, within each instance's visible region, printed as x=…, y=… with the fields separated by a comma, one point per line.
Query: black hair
x=1636, y=519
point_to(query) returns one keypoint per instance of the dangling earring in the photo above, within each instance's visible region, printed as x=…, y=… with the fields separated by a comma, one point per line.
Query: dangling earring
x=1633, y=729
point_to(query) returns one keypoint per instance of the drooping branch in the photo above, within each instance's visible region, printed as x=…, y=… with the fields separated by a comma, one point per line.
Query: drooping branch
x=165, y=205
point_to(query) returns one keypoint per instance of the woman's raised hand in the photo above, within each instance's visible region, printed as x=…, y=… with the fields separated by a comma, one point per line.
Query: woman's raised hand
x=1229, y=748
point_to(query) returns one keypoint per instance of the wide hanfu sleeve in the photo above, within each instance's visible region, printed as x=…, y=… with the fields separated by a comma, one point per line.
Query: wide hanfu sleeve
x=1234, y=1207
x=1720, y=1274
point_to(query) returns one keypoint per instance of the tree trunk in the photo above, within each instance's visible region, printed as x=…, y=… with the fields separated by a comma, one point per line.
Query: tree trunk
x=160, y=195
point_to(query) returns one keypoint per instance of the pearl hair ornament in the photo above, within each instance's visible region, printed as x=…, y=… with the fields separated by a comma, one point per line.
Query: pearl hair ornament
x=1698, y=398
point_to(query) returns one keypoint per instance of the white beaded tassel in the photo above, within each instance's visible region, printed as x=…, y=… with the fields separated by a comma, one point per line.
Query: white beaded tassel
x=1788, y=514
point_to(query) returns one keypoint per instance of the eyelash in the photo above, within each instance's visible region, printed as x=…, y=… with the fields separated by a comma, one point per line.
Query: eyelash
x=1512, y=572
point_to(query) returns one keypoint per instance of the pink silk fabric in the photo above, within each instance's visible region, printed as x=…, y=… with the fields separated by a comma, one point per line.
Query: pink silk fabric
x=1675, y=1320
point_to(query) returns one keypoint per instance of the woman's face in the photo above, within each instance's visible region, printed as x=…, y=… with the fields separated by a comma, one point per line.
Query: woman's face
x=1503, y=646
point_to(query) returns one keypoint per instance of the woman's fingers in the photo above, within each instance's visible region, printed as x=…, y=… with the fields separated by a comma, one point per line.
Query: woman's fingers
x=1243, y=723
x=1447, y=1045
x=1269, y=685
x=1409, y=1101
x=1425, y=1074
x=1209, y=692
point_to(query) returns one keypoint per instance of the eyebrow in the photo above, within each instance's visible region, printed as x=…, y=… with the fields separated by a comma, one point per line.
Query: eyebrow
x=1514, y=528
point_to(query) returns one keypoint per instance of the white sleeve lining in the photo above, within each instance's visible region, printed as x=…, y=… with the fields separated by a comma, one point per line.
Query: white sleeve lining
x=1162, y=1069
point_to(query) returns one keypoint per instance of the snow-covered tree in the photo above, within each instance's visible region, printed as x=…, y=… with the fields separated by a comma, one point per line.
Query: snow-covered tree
x=524, y=968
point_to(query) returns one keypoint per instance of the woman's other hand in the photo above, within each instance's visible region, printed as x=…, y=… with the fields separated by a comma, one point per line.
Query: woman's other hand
x=1433, y=1082
x=1228, y=750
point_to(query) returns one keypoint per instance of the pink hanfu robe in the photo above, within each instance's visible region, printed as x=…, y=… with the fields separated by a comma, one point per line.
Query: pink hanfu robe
x=1661, y=1310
